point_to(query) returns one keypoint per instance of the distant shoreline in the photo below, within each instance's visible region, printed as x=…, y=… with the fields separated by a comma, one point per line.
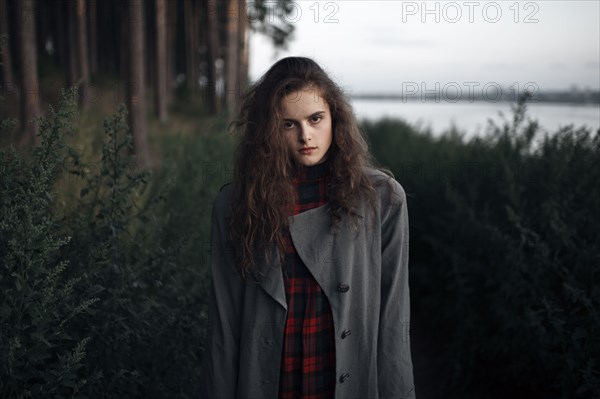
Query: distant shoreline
x=579, y=98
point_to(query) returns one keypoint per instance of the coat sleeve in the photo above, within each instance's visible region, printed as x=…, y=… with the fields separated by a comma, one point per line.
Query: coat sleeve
x=395, y=370
x=221, y=355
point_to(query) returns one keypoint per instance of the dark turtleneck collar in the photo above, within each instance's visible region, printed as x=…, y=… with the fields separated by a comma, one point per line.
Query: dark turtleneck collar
x=313, y=172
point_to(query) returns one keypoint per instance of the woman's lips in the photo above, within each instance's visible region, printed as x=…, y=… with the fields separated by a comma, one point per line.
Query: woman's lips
x=307, y=150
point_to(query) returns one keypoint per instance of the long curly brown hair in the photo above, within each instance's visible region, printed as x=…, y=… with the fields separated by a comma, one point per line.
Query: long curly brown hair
x=262, y=183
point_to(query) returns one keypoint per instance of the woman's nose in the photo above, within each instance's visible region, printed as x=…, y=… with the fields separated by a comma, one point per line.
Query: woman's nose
x=304, y=133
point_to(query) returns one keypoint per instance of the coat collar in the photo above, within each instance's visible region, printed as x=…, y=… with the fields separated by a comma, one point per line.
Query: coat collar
x=314, y=244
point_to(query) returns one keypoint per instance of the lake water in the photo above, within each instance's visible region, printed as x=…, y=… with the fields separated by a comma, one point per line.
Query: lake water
x=472, y=117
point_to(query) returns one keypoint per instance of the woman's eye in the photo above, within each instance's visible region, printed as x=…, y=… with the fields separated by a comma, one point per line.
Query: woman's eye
x=316, y=119
x=288, y=125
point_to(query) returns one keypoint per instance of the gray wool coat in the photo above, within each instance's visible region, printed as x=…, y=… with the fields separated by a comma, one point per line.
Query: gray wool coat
x=364, y=274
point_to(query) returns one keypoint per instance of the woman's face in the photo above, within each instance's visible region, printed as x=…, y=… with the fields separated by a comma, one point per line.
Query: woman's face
x=307, y=126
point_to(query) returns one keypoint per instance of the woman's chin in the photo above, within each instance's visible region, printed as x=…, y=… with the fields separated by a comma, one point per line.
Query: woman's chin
x=310, y=160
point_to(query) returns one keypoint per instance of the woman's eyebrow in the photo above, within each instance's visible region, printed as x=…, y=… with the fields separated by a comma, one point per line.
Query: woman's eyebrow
x=318, y=113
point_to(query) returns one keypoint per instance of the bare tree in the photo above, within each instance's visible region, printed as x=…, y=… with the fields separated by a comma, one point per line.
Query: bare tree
x=93, y=34
x=29, y=74
x=160, y=92
x=232, y=61
x=83, y=66
x=171, y=46
x=192, y=36
x=212, y=40
x=135, y=79
x=8, y=79
x=123, y=8
x=72, y=45
x=243, y=42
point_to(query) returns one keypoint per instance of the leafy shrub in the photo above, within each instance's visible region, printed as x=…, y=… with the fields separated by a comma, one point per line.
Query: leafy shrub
x=38, y=297
x=504, y=253
x=106, y=297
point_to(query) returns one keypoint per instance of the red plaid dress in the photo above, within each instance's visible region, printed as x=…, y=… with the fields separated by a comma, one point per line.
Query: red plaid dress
x=308, y=361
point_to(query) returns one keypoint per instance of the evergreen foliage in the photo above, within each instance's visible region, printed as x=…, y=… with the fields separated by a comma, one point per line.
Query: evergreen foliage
x=505, y=253
x=92, y=303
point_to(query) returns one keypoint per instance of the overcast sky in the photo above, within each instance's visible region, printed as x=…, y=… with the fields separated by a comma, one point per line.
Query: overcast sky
x=383, y=46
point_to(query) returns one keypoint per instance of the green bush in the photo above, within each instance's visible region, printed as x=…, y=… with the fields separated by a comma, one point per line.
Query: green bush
x=504, y=253
x=103, y=295
x=38, y=297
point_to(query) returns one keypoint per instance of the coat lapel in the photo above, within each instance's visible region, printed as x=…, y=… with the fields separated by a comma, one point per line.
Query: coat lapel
x=313, y=241
x=271, y=276
x=318, y=248
x=310, y=234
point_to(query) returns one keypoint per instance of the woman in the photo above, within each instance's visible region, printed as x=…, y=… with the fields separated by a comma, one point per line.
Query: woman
x=309, y=254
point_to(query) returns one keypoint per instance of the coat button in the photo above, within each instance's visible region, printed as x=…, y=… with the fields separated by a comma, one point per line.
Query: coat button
x=343, y=287
x=344, y=377
x=345, y=333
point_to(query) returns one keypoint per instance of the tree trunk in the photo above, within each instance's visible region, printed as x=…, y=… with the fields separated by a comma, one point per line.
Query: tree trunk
x=196, y=33
x=232, y=62
x=42, y=25
x=160, y=92
x=8, y=79
x=191, y=39
x=71, y=45
x=212, y=42
x=187, y=9
x=112, y=50
x=83, y=65
x=150, y=42
x=135, y=80
x=93, y=35
x=171, y=47
x=60, y=38
x=243, y=50
x=29, y=75
x=124, y=24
